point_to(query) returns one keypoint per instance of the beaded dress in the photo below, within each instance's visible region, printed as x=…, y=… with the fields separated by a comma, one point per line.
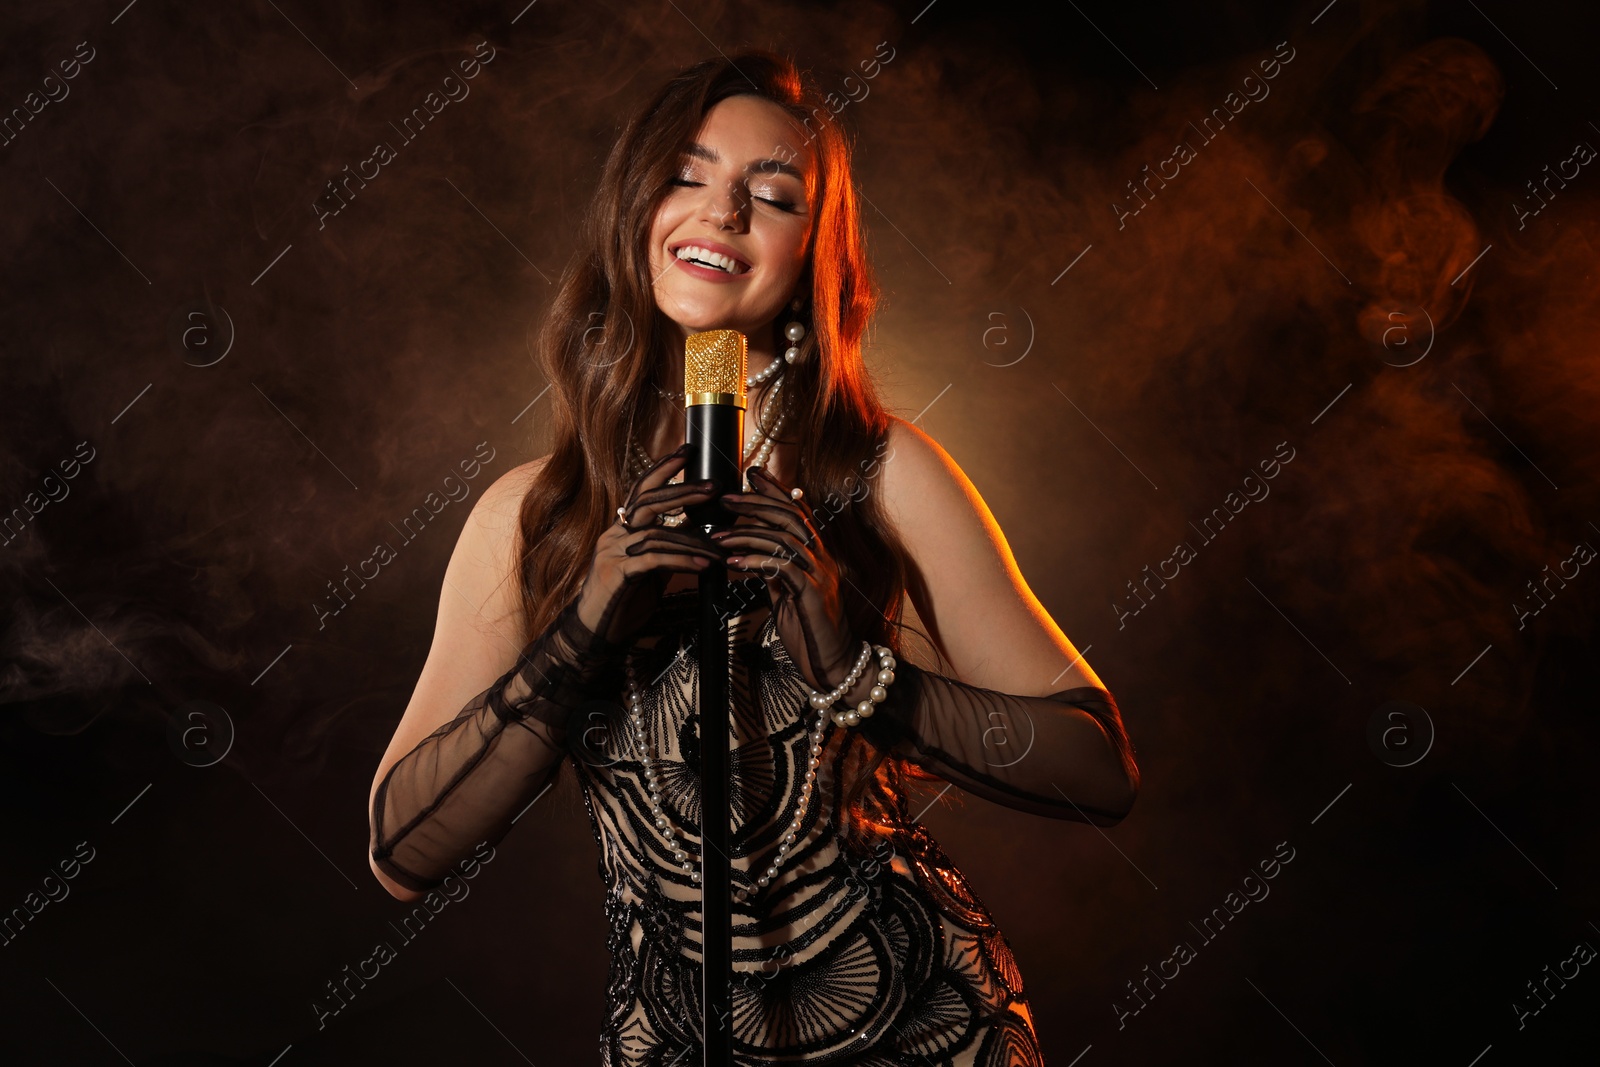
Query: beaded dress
x=869, y=948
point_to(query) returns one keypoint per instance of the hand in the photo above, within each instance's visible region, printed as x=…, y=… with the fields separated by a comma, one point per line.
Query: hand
x=632, y=564
x=774, y=535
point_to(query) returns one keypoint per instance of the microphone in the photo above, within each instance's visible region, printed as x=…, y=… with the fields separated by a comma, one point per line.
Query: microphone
x=714, y=403
x=714, y=400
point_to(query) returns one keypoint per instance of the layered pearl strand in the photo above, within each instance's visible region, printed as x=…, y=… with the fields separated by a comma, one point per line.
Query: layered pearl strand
x=664, y=824
x=880, y=690
x=822, y=703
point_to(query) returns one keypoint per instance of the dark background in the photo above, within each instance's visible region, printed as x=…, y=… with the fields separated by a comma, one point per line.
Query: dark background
x=1319, y=243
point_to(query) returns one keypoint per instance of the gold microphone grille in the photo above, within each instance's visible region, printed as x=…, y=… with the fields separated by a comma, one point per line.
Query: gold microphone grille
x=714, y=362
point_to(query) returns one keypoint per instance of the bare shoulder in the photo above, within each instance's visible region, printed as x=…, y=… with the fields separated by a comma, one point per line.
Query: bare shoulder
x=501, y=503
x=480, y=604
x=934, y=506
x=915, y=465
x=484, y=566
x=963, y=578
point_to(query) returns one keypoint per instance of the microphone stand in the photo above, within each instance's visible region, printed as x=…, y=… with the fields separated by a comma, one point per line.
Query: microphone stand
x=712, y=428
x=716, y=881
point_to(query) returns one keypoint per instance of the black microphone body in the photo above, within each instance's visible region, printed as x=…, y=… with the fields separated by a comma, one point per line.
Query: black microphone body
x=715, y=436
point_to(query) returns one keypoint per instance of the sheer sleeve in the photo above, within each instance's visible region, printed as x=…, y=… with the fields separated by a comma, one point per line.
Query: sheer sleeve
x=467, y=781
x=1065, y=755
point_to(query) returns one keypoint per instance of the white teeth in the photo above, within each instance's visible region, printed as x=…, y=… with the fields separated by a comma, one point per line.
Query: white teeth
x=708, y=258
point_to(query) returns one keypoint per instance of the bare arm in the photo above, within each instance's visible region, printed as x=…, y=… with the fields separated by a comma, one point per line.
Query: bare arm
x=1025, y=722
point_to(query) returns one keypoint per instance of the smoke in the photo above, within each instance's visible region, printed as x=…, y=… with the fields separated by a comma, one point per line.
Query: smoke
x=288, y=353
x=1190, y=308
x=1314, y=242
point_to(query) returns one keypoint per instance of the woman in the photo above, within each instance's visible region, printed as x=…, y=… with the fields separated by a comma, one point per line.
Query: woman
x=727, y=203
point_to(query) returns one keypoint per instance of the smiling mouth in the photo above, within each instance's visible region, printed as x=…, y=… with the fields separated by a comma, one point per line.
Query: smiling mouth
x=704, y=257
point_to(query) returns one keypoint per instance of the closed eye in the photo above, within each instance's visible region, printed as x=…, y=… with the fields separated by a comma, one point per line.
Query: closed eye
x=781, y=205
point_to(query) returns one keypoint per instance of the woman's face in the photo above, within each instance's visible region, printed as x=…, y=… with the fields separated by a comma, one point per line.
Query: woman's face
x=729, y=241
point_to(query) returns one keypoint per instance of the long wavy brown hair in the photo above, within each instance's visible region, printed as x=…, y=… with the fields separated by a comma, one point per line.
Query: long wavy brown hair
x=604, y=340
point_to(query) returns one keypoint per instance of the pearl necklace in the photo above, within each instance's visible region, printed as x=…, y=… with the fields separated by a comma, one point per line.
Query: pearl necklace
x=821, y=703
x=664, y=824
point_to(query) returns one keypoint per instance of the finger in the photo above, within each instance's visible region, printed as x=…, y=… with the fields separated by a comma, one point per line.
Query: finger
x=649, y=562
x=660, y=472
x=646, y=507
x=781, y=572
x=774, y=489
x=675, y=495
x=670, y=489
x=781, y=514
x=779, y=543
x=765, y=487
x=762, y=481
x=747, y=522
x=663, y=540
x=687, y=538
x=772, y=565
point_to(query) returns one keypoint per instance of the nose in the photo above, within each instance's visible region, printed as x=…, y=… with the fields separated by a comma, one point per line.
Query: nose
x=725, y=206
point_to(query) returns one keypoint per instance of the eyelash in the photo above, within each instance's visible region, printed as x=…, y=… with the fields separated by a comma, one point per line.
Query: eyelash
x=781, y=205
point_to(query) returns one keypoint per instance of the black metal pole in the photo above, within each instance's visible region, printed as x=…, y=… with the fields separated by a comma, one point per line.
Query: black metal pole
x=715, y=423
x=716, y=889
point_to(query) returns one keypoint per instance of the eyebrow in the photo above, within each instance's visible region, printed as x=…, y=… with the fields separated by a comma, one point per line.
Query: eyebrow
x=765, y=166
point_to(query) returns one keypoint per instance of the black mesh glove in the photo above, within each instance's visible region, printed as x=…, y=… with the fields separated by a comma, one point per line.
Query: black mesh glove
x=1065, y=755
x=774, y=537
x=634, y=558
x=466, y=782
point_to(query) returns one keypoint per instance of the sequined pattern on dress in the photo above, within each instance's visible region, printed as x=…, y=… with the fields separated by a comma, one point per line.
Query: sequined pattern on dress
x=857, y=954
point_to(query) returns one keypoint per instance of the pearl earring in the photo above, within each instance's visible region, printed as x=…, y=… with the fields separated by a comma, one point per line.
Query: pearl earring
x=795, y=332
